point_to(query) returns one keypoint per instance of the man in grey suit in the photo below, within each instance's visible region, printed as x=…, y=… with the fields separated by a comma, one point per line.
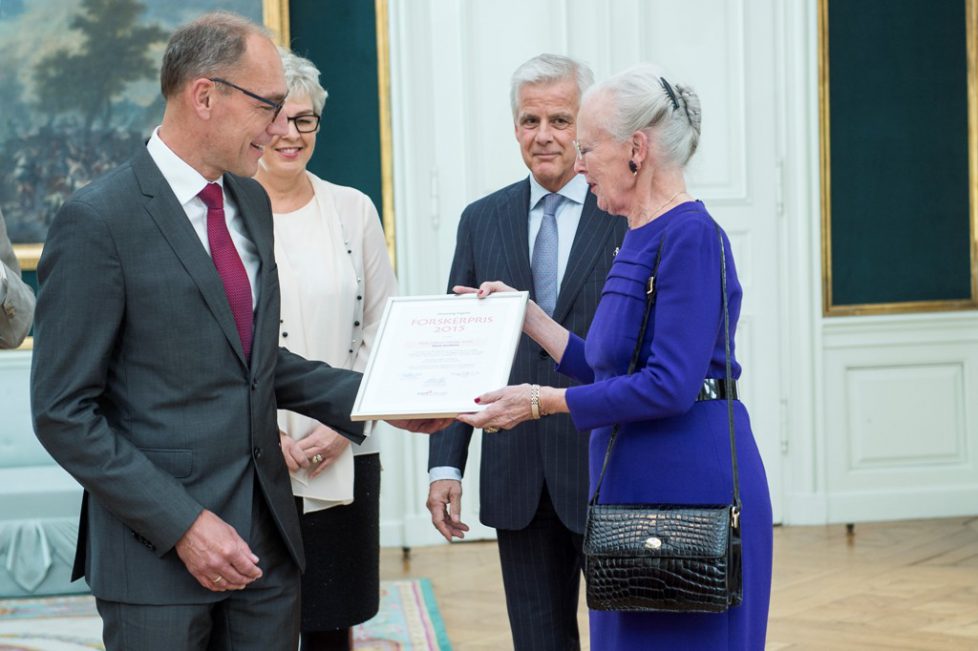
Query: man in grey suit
x=16, y=298
x=157, y=371
x=544, y=234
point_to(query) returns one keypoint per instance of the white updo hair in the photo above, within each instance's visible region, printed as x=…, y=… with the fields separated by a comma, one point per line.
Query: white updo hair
x=547, y=69
x=639, y=100
x=302, y=78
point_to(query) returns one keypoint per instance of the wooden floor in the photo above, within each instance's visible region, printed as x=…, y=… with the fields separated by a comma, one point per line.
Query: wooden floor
x=896, y=585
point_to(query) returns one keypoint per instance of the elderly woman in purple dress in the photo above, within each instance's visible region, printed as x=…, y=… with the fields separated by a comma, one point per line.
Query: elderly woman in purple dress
x=636, y=133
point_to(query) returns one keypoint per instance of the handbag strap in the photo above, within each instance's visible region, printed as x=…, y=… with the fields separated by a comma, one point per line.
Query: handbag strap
x=649, y=301
x=729, y=376
x=650, y=294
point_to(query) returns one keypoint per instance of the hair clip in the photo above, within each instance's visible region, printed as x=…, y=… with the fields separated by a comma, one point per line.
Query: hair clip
x=670, y=92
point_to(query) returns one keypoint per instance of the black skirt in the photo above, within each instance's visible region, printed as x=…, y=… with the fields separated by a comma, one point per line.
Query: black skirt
x=341, y=584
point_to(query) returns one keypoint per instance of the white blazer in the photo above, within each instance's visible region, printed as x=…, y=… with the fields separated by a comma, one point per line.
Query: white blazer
x=335, y=277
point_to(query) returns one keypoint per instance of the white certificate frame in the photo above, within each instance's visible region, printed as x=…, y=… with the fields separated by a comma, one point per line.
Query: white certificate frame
x=434, y=355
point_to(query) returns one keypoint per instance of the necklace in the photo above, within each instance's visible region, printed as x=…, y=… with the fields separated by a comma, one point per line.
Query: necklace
x=658, y=210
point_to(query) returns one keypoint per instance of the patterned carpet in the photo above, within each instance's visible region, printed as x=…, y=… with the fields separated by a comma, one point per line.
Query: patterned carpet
x=408, y=621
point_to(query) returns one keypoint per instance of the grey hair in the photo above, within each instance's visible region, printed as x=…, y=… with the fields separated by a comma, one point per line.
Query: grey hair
x=204, y=47
x=640, y=101
x=302, y=78
x=548, y=69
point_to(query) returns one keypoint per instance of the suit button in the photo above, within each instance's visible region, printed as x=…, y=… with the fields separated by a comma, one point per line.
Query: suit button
x=544, y=354
x=356, y=323
x=143, y=541
x=257, y=452
x=254, y=385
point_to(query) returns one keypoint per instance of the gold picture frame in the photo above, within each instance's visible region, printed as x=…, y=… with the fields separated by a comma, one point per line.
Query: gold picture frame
x=386, y=130
x=825, y=164
x=275, y=15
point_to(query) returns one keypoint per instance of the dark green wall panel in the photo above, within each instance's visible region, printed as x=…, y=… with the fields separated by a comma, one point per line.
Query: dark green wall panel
x=340, y=37
x=900, y=204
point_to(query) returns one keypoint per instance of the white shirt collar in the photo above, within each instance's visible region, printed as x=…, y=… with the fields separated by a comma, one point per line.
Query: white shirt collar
x=184, y=180
x=575, y=190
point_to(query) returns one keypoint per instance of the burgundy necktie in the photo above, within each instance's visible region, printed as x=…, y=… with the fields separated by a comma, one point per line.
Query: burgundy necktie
x=228, y=263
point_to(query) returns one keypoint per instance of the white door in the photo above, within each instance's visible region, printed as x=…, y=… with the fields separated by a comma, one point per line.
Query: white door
x=726, y=51
x=736, y=173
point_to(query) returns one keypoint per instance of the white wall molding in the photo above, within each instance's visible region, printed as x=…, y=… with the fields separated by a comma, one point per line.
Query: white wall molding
x=890, y=330
x=896, y=504
x=898, y=416
x=803, y=445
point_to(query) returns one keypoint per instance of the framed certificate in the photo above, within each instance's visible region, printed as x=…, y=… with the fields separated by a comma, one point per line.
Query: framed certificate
x=435, y=354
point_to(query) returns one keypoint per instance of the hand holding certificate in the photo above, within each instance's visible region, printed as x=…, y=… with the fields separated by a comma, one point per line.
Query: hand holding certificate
x=435, y=354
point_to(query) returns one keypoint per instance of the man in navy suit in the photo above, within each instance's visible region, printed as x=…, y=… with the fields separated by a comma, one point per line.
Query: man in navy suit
x=544, y=234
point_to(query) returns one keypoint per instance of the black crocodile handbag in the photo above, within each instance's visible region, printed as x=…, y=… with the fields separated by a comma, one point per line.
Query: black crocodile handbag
x=666, y=557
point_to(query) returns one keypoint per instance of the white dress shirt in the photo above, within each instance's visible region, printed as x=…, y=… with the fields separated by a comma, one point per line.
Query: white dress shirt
x=568, y=217
x=186, y=183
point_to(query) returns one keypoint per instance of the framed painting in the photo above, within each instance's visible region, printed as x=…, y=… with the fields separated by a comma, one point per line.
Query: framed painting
x=79, y=92
x=899, y=169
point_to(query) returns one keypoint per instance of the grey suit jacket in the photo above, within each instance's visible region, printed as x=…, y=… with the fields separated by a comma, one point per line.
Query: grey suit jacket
x=140, y=388
x=493, y=244
x=17, y=309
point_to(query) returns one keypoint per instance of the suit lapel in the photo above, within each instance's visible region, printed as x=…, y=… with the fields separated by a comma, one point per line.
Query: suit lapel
x=590, y=241
x=251, y=214
x=172, y=221
x=513, y=220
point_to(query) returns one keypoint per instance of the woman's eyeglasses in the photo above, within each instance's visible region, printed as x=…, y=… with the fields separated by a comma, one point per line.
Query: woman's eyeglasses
x=305, y=123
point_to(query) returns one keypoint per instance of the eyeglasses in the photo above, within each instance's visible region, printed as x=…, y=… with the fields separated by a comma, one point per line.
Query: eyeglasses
x=275, y=107
x=581, y=150
x=305, y=123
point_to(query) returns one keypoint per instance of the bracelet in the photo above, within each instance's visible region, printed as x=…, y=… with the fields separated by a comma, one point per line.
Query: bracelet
x=535, y=401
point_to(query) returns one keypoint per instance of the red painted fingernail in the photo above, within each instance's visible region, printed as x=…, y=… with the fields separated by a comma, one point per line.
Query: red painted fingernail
x=478, y=400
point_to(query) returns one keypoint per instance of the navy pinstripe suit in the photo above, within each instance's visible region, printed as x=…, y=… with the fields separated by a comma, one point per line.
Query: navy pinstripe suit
x=517, y=465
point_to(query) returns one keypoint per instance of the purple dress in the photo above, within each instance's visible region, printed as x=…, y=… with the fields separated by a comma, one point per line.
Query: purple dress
x=671, y=449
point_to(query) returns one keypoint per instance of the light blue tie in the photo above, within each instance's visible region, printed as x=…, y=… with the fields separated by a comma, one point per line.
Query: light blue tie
x=544, y=261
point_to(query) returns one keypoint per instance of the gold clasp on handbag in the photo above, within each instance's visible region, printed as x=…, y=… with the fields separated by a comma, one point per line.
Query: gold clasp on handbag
x=653, y=543
x=735, y=517
x=651, y=285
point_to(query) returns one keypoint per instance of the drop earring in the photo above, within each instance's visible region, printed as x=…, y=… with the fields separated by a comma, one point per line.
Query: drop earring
x=633, y=167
